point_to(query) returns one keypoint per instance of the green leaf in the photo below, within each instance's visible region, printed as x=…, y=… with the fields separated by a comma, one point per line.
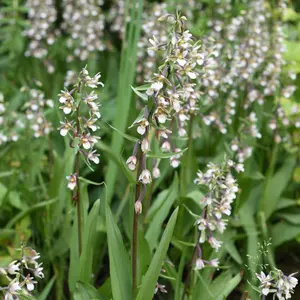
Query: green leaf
x=283, y=232
x=285, y=202
x=119, y=265
x=27, y=211
x=89, y=241
x=276, y=185
x=118, y=160
x=231, y=248
x=165, y=155
x=154, y=229
x=126, y=73
x=3, y=191
x=124, y=135
x=291, y=218
x=86, y=291
x=146, y=291
x=44, y=295
x=141, y=95
x=89, y=181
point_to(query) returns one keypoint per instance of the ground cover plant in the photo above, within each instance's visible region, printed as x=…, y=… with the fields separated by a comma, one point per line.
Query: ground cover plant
x=149, y=149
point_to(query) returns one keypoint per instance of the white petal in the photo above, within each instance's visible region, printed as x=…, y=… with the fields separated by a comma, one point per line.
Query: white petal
x=141, y=130
x=192, y=75
x=86, y=145
x=30, y=286
x=96, y=160
x=63, y=132
x=67, y=110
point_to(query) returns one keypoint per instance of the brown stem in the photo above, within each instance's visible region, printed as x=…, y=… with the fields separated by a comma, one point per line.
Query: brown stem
x=148, y=201
x=188, y=278
x=135, y=227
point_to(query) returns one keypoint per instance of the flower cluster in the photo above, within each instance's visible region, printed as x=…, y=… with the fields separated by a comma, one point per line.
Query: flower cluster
x=81, y=110
x=277, y=283
x=222, y=190
x=21, y=274
x=148, y=61
x=172, y=94
x=84, y=22
x=35, y=112
x=41, y=32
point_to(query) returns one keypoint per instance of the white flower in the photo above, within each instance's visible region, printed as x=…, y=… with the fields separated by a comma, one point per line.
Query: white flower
x=240, y=168
x=142, y=125
x=202, y=224
x=13, y=289
x=65, y=96
x=174, y=162
x=38, y=271
x=93, y=156
x=90, y=124
x=157, y=86
x=13, y=268
x=30, y=283
x=67, y=107
x=72, y=181
x=131, y=162
x=94, y=81
x=66, y=126
x=215, y=243
x=214, y=262
x=145, y=177
x=199, y=264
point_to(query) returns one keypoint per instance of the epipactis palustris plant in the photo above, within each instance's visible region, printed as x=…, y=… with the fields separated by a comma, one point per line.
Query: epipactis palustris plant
x=222, y=190
x=81, y=110
x=172, y=97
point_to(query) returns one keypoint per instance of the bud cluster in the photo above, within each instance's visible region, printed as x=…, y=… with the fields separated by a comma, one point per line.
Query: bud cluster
x=222, y=190
x=81, y=110
x=21, y=274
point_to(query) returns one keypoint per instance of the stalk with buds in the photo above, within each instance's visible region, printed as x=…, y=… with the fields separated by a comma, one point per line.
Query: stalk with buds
x=81, y=110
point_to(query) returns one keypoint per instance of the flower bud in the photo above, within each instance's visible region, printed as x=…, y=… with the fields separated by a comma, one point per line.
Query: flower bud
x=145, y=145
x=199, y=264
x=156, y=172
x=131, y=163
x=138, y=207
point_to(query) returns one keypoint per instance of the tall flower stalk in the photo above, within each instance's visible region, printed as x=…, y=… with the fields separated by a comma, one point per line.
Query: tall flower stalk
x=172, y=99
x=216, y=205
x=81, y=110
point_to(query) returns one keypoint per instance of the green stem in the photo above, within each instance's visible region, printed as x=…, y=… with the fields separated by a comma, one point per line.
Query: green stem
x=185, y=174
x=78, y=205
x=78, y=202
